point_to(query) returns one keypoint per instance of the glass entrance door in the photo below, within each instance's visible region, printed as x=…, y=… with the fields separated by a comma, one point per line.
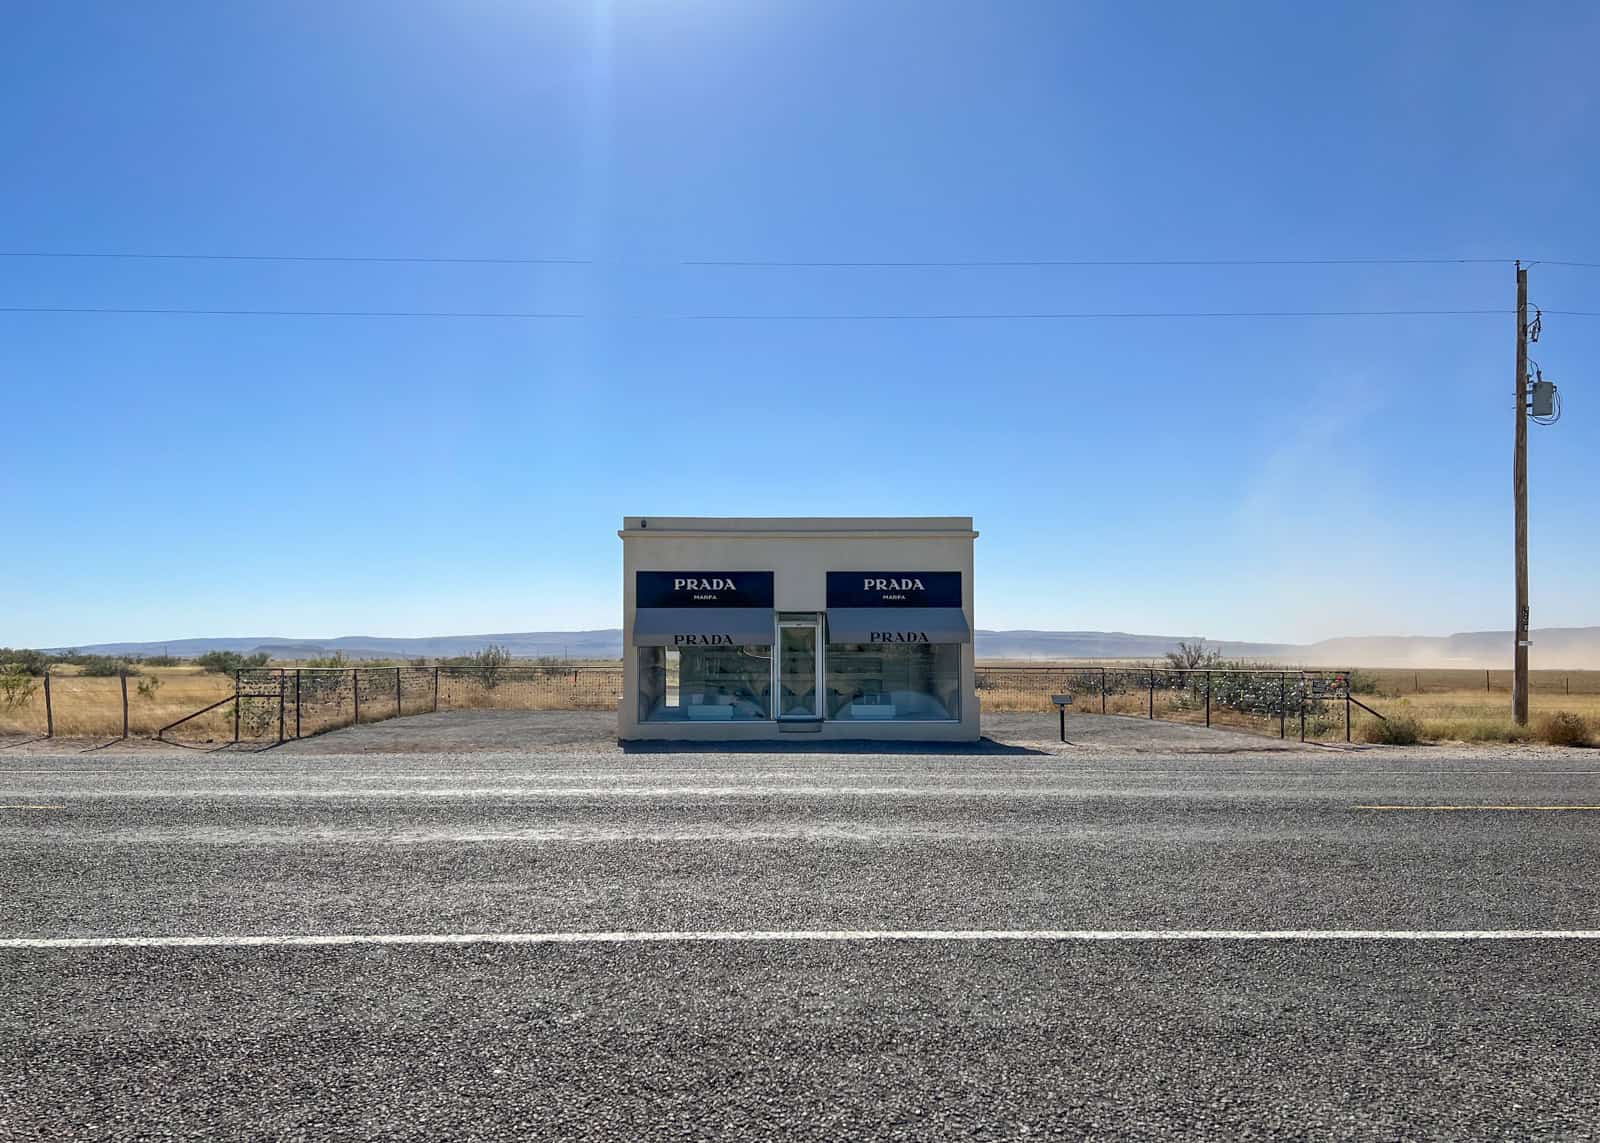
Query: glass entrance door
x=798, y=669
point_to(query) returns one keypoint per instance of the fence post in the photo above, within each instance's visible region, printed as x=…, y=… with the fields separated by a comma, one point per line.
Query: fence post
x=1302, y=689
x=282, y=682
x=1486, y=682
x=1347, y=708
x=49, y=711
x=1283, y=703
x=436, y=690
x=236, y=702
x=1152, y=692
x=1102, y=690
x=297, y=702
x=124, y=677
x=397, y=692
x=1208, y=698
x=355, y=689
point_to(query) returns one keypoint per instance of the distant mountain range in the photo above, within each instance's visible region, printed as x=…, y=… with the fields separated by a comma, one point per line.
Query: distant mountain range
x=1573, y=648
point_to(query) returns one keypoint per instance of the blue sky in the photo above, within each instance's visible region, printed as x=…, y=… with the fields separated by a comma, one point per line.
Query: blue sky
x=1283, y=478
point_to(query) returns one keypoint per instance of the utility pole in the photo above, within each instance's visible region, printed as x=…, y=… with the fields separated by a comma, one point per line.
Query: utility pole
x=1519, y=488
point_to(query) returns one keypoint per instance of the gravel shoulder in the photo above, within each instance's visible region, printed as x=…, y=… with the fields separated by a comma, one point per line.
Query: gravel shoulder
x=594, y=732
x=549, y=731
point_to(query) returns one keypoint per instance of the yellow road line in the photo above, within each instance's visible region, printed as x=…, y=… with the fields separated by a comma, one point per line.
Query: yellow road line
x=19, y=807
x=1541, y=809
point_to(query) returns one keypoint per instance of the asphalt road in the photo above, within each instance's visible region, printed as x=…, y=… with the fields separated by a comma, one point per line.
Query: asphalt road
x=824, y=1039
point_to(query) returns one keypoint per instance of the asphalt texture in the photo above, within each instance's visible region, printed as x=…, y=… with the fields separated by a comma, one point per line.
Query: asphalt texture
x=816, y=1040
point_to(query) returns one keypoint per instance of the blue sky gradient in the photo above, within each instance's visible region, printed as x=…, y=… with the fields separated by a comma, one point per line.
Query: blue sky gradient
x=1252, y=478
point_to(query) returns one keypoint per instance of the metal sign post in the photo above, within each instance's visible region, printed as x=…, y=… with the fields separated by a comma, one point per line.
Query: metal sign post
x=1062, y=702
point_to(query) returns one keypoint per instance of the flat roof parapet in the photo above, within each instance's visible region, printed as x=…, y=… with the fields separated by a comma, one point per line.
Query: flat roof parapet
x=947, y=527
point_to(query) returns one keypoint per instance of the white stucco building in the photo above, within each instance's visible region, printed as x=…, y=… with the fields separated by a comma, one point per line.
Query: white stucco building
x=759, y=628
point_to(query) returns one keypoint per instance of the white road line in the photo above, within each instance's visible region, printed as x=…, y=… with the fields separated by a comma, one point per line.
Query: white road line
x=323, y=940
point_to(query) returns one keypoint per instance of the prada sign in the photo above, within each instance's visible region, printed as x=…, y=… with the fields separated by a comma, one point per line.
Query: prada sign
x=703, y=589
x=894, y=589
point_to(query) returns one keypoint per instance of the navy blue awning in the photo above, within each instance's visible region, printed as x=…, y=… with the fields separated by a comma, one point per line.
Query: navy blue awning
x=702, y=627
x=898, y=625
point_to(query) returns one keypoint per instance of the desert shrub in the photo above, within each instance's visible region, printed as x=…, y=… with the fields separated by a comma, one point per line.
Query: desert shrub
x=148, y=687
x=1192, y=656
x=1564, y=729
x=490, y=661
x=17, y=686
x=104, y=666
x=161, y=661
x=336, y=659
x=1363, y=683
x=24, y=659
x=487, y=664
x=227, y=662
x=1396, y=730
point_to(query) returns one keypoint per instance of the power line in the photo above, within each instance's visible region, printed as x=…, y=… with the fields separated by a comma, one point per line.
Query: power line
x=295, y=258
x=736, y=263
x=139, y=311
x=1101, y=314
x=520, y=315
x=1099, y=262
x=772, y=264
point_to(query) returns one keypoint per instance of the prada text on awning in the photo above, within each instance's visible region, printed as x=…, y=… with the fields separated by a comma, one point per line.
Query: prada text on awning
x=702, y=626
x=898, y=625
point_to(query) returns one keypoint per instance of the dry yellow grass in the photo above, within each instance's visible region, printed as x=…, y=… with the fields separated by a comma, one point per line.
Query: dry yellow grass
x=1453, y=705
x=1472, y=716
x=92, y=707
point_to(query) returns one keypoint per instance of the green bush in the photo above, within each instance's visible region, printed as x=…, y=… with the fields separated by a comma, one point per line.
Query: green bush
x=104, y=666
x=1564, y=729
x=336, y=659
x=24, y=659
x=1396, y=730
x=227, y=662
x=487, y=664
x=1363, y=683
x=16, y=687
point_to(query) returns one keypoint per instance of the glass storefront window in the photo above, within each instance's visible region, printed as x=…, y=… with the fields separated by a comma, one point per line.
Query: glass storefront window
x=906, y=682
x=705, y=684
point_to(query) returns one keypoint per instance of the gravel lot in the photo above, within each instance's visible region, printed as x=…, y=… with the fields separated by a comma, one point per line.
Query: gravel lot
x=547, y=731
x=834, y=1039
x=597, y=731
